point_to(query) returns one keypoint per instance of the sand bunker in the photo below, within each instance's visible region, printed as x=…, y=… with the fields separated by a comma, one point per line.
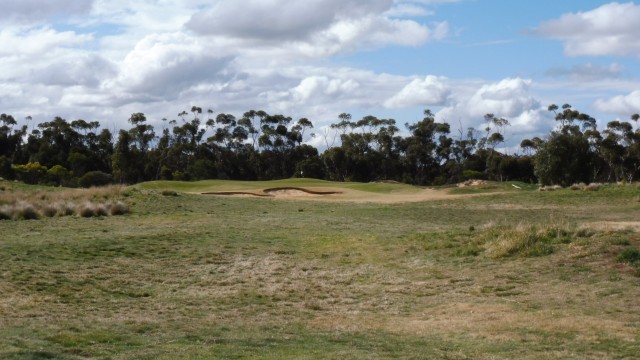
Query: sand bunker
x=236, y=193
x=275, y=192
x=294, y=191
x=349, y=195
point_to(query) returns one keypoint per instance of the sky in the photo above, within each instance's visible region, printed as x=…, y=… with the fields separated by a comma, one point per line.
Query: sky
x=102, y=60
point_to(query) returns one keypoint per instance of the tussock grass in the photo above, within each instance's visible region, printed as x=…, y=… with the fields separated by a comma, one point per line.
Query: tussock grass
x=579, y=186
x=550, y=188
x=25, y=211
x=118, y=208
x=19, y=204
x=50, y=210
x=593, y=187
x=524, y=240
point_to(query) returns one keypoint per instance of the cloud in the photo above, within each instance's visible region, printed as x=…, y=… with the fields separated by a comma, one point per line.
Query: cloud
x=430, y=91
x=623, y=105
x=279, y=19
x=314, y=28
x=161, y=66
x=509, y=98
x=77, y=70
x=37, y=41
x=587, y=72
x=315, y=86
x=29, y=11
x=408, y=10
x=611, y=29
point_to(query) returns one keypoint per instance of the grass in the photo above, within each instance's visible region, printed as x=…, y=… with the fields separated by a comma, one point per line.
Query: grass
x=18, y=202
x=194, y=276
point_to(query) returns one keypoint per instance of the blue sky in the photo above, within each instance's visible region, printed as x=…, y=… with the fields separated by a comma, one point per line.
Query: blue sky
x=105, y=59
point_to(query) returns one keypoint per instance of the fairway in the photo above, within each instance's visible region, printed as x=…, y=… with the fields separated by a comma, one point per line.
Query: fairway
x=354, y=271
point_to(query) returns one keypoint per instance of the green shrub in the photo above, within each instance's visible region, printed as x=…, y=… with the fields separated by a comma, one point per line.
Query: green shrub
x=473, y=174
x=630, y=255
x=58, y=175
x=169, y=193
x=95, y=178
x=31, y=173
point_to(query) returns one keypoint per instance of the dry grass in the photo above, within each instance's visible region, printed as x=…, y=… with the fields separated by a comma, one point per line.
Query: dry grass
x=212, y=277
x=593, y=187
x=524, y=239
x=31, y=205
x=550, y=188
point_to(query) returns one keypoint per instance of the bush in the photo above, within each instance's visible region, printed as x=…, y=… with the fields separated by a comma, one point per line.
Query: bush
x=58, y=175
x=6, y=168
x=31, y=173
x=169, y=193
x=95, y=178
x=473, y=174
x=630, y=255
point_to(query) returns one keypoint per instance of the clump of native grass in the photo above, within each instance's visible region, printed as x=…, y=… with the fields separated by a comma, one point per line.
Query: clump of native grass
x=33, y=205
x=593, y=187
x=526, y=240
x=550, y=188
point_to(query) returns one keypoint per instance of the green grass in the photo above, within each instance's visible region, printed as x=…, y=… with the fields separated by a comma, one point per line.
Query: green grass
x=228, y=185
x=194, y=277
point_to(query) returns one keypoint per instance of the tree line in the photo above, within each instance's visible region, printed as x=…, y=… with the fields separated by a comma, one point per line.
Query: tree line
x=261, y=146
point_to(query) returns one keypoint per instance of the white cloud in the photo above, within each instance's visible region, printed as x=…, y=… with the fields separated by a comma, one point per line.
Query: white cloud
x=315, y=28
x=430, y=91
x=37, y=41
x=161, y=66
x=279, y=19
x=315, y=86
x=29, y=11
x=611, y=29
x=623, y=105
x=509, y=98
x=408, y=10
